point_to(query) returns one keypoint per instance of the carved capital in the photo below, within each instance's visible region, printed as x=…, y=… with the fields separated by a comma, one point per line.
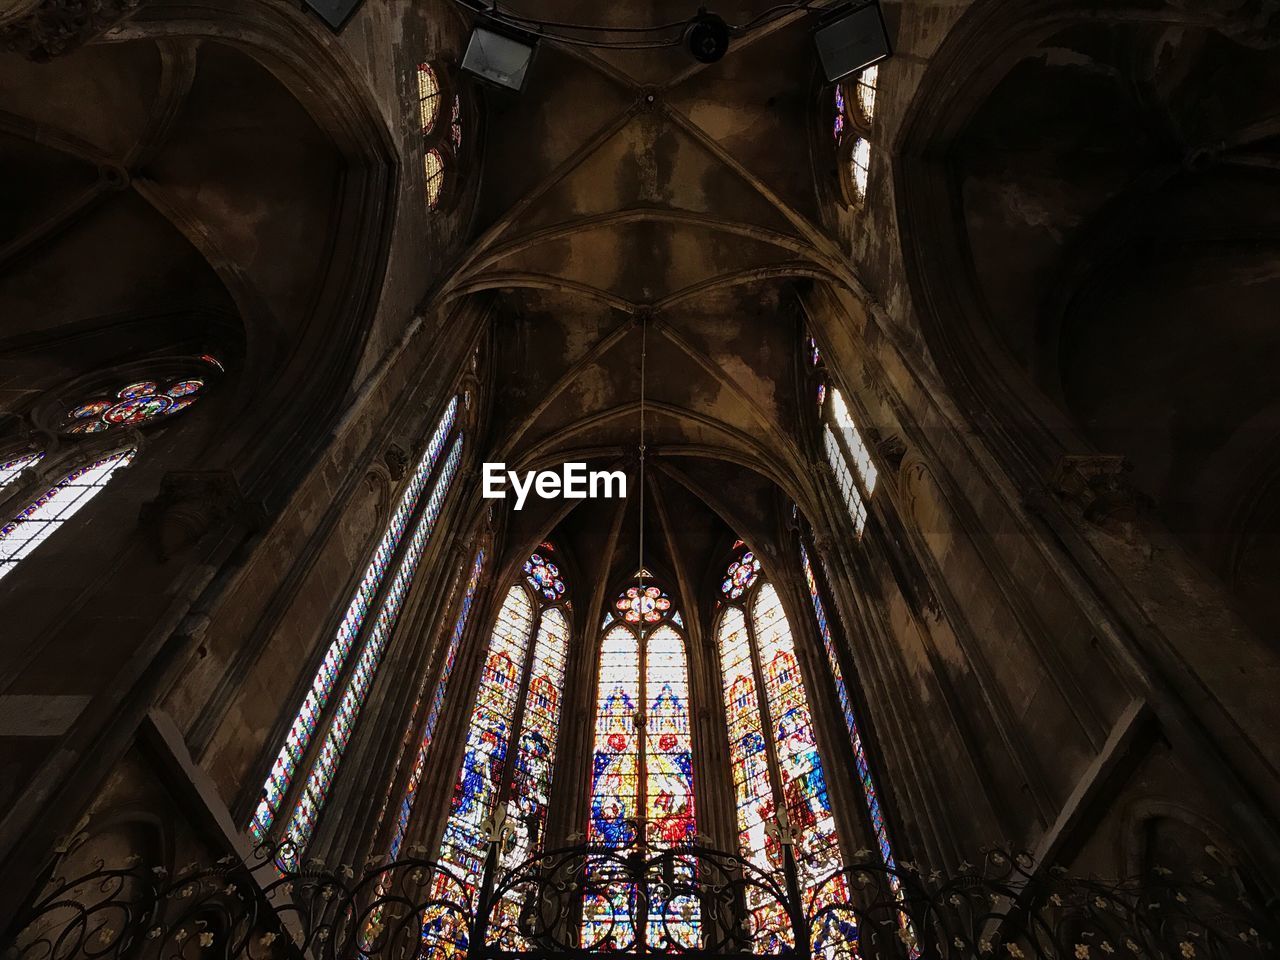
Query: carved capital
x=50, y=28
x=191, y=504
x=892, y=450
x=396, y=458
x=1099, y=486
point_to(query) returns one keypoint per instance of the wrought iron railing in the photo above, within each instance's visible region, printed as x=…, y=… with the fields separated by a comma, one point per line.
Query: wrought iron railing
x=593, y=901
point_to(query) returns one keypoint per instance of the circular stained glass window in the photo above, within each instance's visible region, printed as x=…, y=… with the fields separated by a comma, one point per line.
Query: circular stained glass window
x=133, y=404
x=544, y=576
x=740, y=576
x=649, y=604
x=94, y=408
x=88, y=426
x=184, y=388
x=137, y=410
x=143, y=388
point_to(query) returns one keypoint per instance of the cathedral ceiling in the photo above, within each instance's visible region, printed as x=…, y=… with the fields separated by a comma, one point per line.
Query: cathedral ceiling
x=640, y=202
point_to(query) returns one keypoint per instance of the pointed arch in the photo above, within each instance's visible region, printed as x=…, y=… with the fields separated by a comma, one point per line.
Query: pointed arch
x=516, y=715
x=46, y=513
x=780, y=783
x=642, y=787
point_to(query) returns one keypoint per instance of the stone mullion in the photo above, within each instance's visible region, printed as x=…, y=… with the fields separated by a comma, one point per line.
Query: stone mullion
x=375, y=746
x=762, y=701
x=572, y=783
x=432, y=805
x=409, y=733
x=717, y=809
x=830, y=732
x=308, y=761
x=503, y=793
x=877, y=663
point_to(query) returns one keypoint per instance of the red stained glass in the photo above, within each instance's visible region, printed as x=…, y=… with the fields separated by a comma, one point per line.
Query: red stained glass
x=136, y=410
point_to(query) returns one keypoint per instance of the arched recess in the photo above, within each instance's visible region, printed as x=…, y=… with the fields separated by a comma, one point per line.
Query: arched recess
x=223, y=164
x=1089, y=240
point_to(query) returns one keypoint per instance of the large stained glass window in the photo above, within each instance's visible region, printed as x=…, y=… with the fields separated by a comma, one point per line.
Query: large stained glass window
x=875, y=812
x=405, y=809
x=517, y=708
x=776, y=764
x=308, y=720
x=641, y=772
x=44, y=515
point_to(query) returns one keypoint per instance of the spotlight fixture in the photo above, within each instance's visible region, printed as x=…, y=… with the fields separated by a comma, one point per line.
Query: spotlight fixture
x=707, y=36
x=501, y=58
x=851, y=39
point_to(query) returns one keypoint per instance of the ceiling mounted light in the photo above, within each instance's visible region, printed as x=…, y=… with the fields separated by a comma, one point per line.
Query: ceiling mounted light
x=707, y=37
x=501, y=58
x=851, y=39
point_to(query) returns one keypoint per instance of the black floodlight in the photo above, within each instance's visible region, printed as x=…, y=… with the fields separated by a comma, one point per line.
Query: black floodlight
x=501, y=58
x=335, y=13
x=851, y=39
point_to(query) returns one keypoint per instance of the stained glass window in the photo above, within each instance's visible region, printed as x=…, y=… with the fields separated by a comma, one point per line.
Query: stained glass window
x=837, y=124
x=822, y=395
x=865, y=91
x=132, y=404
x=544, y=576
x=844, y=480
x=641, y=777
x=44, y=515
x=815, y=355
x=433, y=176
x=316, y=789
x=742, y=573
x=854, y=443
x=9, y=469
x=304, y=726
x=455, y=123
x=433, y=714
x=776, y=764
x=518, y=663
x=649, y=604
x=475, y=794
x=860, y=166
x=870, y=796
x=428, y=97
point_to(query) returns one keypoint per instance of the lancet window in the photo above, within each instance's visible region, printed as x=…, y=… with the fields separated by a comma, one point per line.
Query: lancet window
x=307, y=762
x=779, y=778
x=516, y=718
x=642, y=789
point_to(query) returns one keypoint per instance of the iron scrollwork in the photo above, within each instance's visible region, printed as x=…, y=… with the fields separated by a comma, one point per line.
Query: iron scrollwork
x=603, y=901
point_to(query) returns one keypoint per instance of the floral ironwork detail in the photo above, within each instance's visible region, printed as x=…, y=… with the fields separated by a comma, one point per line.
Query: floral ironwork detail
x=1004, y=906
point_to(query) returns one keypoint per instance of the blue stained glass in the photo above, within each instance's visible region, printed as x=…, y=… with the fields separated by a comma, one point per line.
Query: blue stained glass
x=299, y=736
x=303, y=822
x=869, y=794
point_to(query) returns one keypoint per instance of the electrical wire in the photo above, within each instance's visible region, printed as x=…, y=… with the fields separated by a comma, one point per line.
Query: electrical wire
x=644, y=352
x=539, y=27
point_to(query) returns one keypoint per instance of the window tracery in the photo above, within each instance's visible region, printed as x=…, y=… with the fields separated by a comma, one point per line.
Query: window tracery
x=333, y=670
x=851, y=127
x=441, y=134
x=642, y=785
x=14, y=465
x=776, y=764
x=44, y=515
x=847, y=454
x=516, y=717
